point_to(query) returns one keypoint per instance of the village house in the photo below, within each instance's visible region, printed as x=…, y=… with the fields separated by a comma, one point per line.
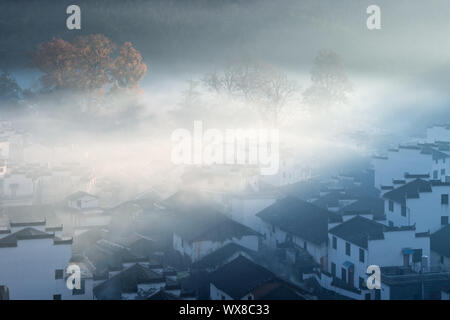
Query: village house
x=33, y=262
x=203, y=230
x=412, y=159
x=133, y=283
x=422, y=203
x=199, y=228
x=359, y=242
x=249, y=281
x=295, y=221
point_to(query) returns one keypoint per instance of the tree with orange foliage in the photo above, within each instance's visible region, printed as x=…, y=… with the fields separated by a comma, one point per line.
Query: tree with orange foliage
x=128, y=67
x=55, y=59
x=87, y=64
x=93, y=61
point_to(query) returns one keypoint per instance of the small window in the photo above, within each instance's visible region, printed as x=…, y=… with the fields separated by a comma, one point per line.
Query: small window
x=435, y=173
x=56, y=297
x=442, y=172
x=403, y=211
x=334, y=243
x=442, y=259
x=59, y=274
x=347, y=249
x=391, y=224
x=391, y=205
x=444, y=220
x=444, y=199
x=361, y=255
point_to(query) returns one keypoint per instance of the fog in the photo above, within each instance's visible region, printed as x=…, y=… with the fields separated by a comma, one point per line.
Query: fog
x=398, y=74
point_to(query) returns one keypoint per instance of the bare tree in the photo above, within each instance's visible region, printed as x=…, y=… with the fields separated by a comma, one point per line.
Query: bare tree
x=330, y=85
x=261, y=85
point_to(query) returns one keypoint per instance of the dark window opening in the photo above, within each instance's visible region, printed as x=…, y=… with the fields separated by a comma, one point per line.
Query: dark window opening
x=403, y=211
x=347, y=249
x=361, y=255
x=59, y=274
x=444, y=198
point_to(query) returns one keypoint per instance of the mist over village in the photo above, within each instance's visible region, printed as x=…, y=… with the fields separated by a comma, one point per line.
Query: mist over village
x=224, y=150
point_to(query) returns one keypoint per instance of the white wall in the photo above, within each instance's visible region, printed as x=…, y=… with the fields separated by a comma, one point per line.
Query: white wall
x=425, y=211
x=386, y=252
x=29, y=269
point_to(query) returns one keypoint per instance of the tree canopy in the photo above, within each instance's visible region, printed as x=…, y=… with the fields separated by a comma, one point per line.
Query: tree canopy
x=88, y=63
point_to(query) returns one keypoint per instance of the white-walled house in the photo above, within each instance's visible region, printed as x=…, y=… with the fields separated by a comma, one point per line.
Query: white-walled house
x=237, y=280
x=33, y=264
x=82, y=200
x=201, y=232
x=415, y=159
x=359, y=242
x=293, y=220
x=422, y=203
x=199, y=228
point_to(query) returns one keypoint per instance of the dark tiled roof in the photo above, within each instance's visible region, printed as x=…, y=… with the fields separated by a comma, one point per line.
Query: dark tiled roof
x=299, y=218
x=440, y=241
x=218, y=257
x=360, y=230
x=366, y=205
x=330, y=199
x=79, y=194
x=408, y=191
x=24, y=234
x=416, y=175
x=108, y=257
x=436, y=154
x=126, y=282
x=239, y=277
x=194, y=218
